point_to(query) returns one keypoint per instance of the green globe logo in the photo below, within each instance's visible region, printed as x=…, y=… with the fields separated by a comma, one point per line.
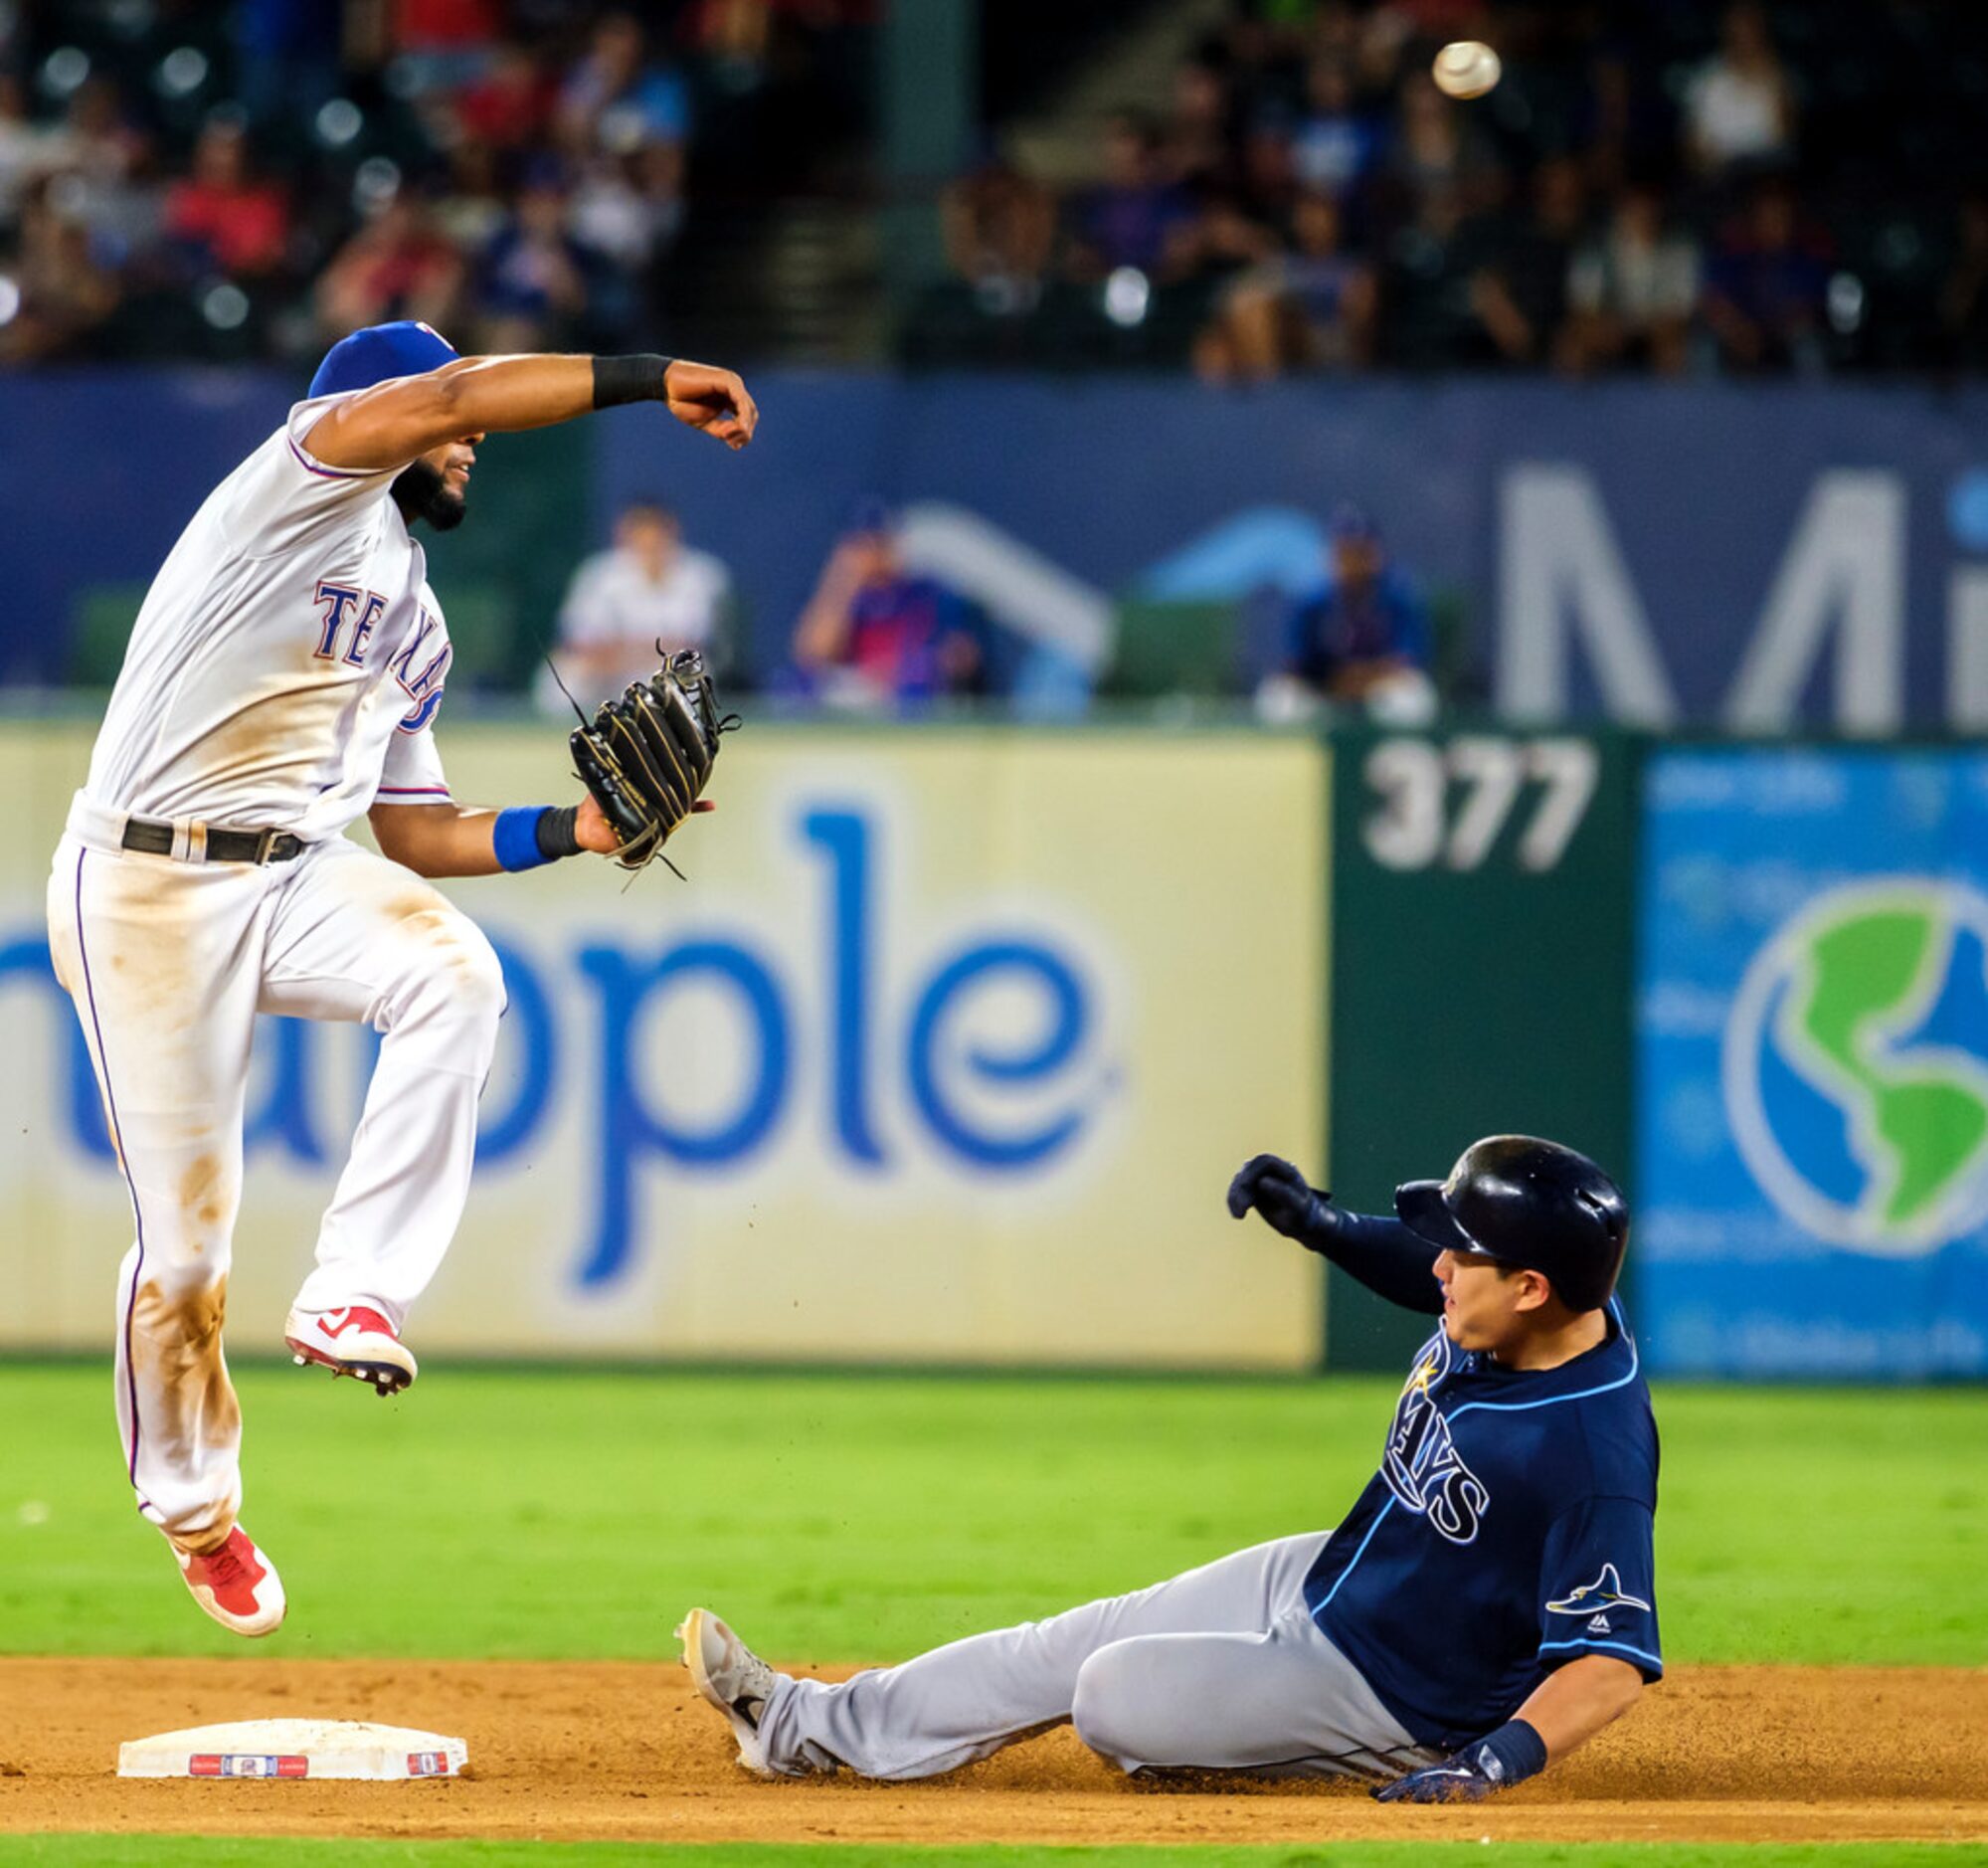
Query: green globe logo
x=1855, y=1066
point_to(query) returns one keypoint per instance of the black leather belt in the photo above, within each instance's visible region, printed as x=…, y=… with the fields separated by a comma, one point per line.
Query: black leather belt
x=156, y=839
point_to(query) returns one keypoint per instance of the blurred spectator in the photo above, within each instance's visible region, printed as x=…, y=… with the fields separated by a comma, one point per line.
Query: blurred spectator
x=1632, y=289
x=65, y=294
x=876, y=635
x=28, y=150
x=1337, y=144
x=99, y=158
x=630, y=209
x=615, y=100
x=1000, y=229
x=1766, y=287
x=1963, y=297
x=398, y=266
x=439, y=43
x=1361, y=638
x=1196, y=149
x=648, y=593
x=1626, y=125
x=1519, y=293
x=1739, y=110
x=286, y=55
x=226, y=219
x=1427, y=318
x=1437, y=152
x=508, y=105
x=531, y=290
x=1311, y=307
x=1135, y=217
x=1270, y=184
x=473, y=206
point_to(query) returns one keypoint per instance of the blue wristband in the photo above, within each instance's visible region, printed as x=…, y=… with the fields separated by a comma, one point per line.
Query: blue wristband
x=1510, y=1755
x=516, y=838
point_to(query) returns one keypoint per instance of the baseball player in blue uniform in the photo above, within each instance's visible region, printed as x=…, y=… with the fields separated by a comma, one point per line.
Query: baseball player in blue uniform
x=1487, y=1605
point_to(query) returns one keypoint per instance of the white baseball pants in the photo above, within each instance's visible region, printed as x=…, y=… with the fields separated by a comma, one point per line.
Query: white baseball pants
x=1220, y=1669
x=168, y=962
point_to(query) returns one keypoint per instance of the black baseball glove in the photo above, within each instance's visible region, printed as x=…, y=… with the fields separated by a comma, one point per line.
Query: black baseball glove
x=648, y=756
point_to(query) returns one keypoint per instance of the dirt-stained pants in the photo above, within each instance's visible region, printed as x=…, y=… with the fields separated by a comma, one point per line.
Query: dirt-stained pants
x=168, y=963
x=1220, y=1669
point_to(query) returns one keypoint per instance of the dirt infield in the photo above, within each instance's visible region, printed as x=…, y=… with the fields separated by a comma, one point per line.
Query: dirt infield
x=625, y=1752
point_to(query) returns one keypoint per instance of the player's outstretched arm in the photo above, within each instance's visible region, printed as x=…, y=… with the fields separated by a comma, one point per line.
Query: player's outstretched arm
x=439, y=841
x=1382, y=1253
x=393, y=422
x=1565, y=1711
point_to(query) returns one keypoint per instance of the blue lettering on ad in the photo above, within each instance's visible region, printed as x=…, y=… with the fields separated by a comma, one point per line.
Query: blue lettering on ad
x=985, y=1107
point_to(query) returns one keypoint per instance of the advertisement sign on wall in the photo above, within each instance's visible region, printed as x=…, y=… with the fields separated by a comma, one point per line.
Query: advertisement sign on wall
x=1813, y=1063
x=945, y=1052
x=1752, y=556
x=1483, y=899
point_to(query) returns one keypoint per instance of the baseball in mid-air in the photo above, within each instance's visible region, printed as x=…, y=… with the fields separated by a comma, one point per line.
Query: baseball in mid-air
x=1466, y=68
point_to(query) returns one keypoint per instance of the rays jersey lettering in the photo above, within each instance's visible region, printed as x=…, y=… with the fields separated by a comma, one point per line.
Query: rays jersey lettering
x=1421, y=1465
x=1508, y=1531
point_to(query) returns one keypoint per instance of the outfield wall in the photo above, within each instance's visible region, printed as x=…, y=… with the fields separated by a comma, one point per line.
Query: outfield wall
x=945, y=1051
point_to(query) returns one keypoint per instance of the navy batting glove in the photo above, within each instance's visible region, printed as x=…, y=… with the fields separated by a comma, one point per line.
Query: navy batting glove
x=1453, y=1781
x=1281, y=1195
x=1510, y=1755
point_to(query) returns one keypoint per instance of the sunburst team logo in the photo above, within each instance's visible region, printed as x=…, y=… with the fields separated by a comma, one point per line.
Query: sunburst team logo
x=1855, y=1066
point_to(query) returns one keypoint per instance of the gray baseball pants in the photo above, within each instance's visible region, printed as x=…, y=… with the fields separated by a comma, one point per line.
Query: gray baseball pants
x=1220, y=1669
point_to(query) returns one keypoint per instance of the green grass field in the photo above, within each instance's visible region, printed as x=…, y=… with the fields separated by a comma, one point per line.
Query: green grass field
x=863, y=1517
x=849, y=1518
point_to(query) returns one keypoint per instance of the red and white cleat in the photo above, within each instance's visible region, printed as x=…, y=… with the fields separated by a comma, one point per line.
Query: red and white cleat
x=236, y=1583
x=355, y=1341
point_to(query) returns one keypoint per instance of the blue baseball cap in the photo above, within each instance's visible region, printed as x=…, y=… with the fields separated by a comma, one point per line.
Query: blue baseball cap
x=379, y=353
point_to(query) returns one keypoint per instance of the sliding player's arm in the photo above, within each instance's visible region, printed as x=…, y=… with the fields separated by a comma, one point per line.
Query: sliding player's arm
x=1383, y=1254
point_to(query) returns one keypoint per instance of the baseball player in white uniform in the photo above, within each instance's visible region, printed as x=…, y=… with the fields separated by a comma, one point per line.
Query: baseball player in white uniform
x=281, y=679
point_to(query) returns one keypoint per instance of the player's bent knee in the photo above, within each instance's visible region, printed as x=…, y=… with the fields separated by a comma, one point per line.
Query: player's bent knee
x=461, y=978
x=1105, y=1706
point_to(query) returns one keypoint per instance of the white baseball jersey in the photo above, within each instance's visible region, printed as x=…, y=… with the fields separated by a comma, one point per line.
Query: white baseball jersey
x=285, y=668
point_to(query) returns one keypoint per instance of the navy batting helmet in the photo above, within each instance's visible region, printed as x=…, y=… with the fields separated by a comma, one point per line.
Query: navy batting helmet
x=1526, y=1203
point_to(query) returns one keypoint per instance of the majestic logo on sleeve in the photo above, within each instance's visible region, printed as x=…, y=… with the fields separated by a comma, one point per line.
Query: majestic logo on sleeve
x=1594, y=1600
x=1422, y=1466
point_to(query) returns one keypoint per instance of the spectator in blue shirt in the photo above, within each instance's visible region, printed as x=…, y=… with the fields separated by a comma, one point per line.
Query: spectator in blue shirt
x=1361, y=638
x=878, y=635
x=1136, y=217
x=1768, y=287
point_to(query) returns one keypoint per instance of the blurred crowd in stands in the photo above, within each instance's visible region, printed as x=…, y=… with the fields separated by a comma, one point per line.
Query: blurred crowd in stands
x=252, y=179
x=1795, y=186
x=1653, y=186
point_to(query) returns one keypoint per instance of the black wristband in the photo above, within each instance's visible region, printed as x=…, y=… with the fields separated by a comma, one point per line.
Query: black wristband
x=641, y=378
x=555, y=832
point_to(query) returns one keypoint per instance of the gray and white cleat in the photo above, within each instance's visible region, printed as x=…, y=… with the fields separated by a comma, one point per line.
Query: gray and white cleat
x=733, y=1678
